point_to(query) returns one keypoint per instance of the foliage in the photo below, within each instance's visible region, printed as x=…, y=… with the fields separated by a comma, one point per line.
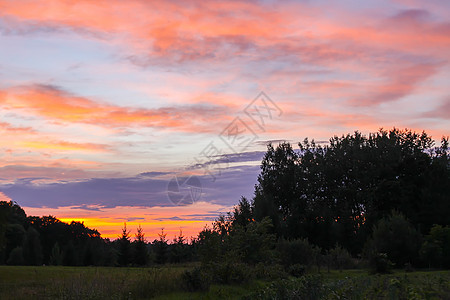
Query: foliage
x=196, y=280
x=380, y=263
x=296, y=270
x=56, y=258
x=336, y=193
x=436, y=247
x=16, y=257
x=306, y=287
x=160, y=247
x=397, y=238
x=340, y=258
x=124, y=243
x=140, y=248
x=297, y=251
x=32, y=249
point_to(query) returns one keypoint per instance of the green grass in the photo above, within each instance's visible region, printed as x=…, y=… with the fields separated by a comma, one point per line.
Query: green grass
x=166, y=282
x=88, y=282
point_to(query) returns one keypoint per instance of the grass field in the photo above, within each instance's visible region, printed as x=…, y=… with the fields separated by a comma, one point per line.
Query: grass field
x=167, y=283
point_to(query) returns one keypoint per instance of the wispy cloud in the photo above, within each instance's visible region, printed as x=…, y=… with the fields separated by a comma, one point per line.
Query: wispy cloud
x=58, y=105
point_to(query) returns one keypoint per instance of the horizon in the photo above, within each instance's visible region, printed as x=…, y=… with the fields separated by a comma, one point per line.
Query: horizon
x=159, y=115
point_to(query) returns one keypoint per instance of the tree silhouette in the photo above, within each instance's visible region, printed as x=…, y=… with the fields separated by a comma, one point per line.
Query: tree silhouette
x=140, y=248
x=161, y=248
x=124, y=247
x=336, y=193
x=32, y=249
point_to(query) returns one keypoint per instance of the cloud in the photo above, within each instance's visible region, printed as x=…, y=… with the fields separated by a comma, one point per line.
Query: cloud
x=401, y=81
x=64, y=146
x=51, y=171
x=226, y=159
x=440, y=112
x=9, y=128
x=55, y=104
x=142, y=191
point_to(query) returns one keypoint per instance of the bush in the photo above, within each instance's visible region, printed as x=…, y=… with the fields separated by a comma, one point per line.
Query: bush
x=395, y=237
x=297, y=251
x=306, y=287
x=196, y=279
x=340, y=258
x=230, y=273
x=379, y=263
x=435, y=247
x=269, y=272
x=297, y=270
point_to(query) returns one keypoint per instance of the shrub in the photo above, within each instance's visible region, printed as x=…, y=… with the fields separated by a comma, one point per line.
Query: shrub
x=296, y=270
x=269, y=271
x=306, y=287
x=340, y=258
x=297, y=251
x=379, y=263
x=196, y=279
x=230, y=273
x=395, y=237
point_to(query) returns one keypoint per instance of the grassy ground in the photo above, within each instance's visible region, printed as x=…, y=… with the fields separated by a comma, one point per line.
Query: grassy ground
x=51, y=282
x=166, y=283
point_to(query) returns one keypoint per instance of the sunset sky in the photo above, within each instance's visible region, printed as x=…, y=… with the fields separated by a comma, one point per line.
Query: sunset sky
x=103, y=103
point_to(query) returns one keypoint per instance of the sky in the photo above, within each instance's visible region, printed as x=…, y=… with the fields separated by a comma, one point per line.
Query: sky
x=158, y=112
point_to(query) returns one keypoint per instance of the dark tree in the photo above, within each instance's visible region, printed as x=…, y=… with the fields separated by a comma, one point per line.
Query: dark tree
x=140, y=248
x=32, y=249
x=56, y=257
x=161, y=248
x=124, y=247
x=336, y=193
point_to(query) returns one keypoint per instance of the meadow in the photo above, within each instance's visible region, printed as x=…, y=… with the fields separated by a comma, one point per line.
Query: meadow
x=167, y=282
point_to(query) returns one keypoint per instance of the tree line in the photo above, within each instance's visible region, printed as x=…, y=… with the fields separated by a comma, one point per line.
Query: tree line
x=380, y=200
x=30, y=240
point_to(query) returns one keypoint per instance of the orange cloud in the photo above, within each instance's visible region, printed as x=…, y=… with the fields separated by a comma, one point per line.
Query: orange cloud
x=201, y=30
x=63, y=146
x=57, y=105
x=10, y=129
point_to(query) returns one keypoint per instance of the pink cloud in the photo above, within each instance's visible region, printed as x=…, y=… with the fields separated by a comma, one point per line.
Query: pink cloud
x=55, y=104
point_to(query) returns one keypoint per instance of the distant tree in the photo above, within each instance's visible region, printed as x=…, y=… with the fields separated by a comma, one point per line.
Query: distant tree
x=179, y=249
x=243, y=213
x=69, y=254
x=210, y=246
x=79, y=244
x=15, y=235
x=124, y=247
x=3, y=226
x=12, y=216
x=32, y=249
x=161, y=248
x=16, y=257
x=56, y=257
x=88, y=253
x=140, y=248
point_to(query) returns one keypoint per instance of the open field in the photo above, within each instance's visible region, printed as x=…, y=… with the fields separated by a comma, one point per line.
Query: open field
x=167, y=283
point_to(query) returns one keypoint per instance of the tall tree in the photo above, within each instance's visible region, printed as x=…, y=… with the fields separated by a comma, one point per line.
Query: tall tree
x=124, y=247
x=32, y=249
x=336, y=193
x=161, y=248
x=140, y=248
